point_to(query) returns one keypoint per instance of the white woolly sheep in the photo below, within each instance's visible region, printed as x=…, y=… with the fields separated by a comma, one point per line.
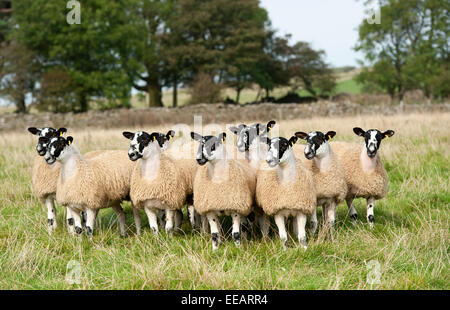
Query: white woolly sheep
x=222, y=185
x=285, y=188
x=249, y=142
x=90, y=184
x=327, y=173
x=158, y=181
x=364, y=171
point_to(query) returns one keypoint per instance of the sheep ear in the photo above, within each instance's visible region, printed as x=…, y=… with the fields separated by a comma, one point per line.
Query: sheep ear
x=358, y=131
x=196, y=136
x=61, y=131
x=69, y=140
x=293, y=140
x=388, y=133
x=222, y=137
x=170, y=134
x=269, y=126
x=301, y=135
x=35, y=131
x=330, y=135
x=128, y=135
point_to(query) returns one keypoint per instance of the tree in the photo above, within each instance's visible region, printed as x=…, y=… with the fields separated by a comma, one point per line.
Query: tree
x=18, y=73
x=410, y=45
x=87, y=52
x=309, y=66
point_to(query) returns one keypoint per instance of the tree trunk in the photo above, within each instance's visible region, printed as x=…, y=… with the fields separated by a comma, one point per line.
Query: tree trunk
x=20, y=105
x=238, y=90
x=154, y=95
x=84, y=105
x=175, y=92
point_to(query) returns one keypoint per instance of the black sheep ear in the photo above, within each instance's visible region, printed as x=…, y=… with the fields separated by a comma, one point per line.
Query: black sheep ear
x=358, y=131
x=128, y=135
x=61, y=131
x=170, y=134
x=222, y=137
x=301, y=135
x=293, y=140
x=269, y=127
x=196, y=136
x=330, y=135
x=35, y=131
x=388, y=133
x=69, y=140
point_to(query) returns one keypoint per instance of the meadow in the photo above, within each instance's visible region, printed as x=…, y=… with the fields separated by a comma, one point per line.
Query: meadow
x=407, y=249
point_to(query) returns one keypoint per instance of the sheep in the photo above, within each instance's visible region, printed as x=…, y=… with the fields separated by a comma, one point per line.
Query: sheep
x=158, y=182
x=327, y=173
x=285, y=188
x=249, y=142
x=222, y=185
x=364, y=170
x=90, y=184
x=44, y=176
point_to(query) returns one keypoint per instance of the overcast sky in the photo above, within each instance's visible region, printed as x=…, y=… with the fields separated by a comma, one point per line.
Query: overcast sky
x=330, y=25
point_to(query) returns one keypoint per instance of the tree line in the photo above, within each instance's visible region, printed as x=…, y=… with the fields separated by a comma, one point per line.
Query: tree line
x=150, y=45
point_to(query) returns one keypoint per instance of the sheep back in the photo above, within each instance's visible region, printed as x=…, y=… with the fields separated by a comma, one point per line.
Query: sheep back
x=234, y=194
x=272, y=196
x=169, y=186
x=360, y=183
x=329, y=184
x=98, y=182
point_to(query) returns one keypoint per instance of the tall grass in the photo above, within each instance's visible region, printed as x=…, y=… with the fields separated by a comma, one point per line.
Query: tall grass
x=409, y=243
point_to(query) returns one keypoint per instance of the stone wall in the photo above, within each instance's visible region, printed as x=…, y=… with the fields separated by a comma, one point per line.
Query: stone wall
x=211, y=113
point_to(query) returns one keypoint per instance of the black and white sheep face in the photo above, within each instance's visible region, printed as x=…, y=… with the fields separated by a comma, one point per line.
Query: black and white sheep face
x=280, y=149
x=316, y=142
x=142, y=143
x=248, y=134
x=57, y=149
x=45, y=134
x=372, y=139
x=210, y=148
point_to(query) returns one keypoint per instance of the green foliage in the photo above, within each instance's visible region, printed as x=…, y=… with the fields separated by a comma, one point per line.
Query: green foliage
x=409, y=48
x=87, y=52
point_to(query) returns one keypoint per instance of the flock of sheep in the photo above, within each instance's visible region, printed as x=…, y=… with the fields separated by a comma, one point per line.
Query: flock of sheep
x=275, y=179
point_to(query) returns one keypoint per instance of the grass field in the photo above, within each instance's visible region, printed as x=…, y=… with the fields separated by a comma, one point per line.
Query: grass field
x=409, y=244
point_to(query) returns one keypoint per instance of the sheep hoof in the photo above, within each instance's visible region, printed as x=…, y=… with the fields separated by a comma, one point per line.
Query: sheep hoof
x=304, y=243
x=78, y=230
x=353, y=217
x=215, y=240
x=313, y=227
x=371, y=220
x=89, y=231
x=237, y=238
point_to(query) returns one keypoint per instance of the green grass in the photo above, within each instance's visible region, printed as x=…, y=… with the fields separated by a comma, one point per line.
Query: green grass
x=410, y=240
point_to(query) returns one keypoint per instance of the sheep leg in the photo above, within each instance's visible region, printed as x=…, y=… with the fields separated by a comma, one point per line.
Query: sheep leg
x=170, y=214
x=70, y=221
x=370, y=206
x=351, y=210
x=152, y=219
x=236, y=228
x=279, y=220
x=178, y=221
x=191, y=213
x=76, y=213
x=213, y=224
x=51, y=213
x=122, y=219
x=91, y=215
x=204, y=224
x=301, y=224
x=313, y=223
x=264, y=224
x=137, y=220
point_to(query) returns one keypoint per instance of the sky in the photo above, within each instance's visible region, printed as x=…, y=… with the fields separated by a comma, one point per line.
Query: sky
x=330, y=25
